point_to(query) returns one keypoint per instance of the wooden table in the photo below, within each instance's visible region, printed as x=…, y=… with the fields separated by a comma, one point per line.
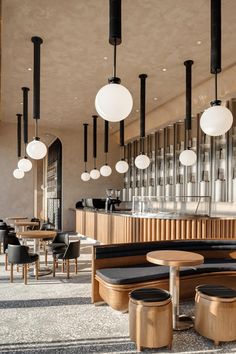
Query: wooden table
x=24, y=224
x=37, y=235
x=175, y=260
x=17, y=218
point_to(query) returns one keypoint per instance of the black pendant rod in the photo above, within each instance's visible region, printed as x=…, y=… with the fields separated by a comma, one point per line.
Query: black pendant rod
x=122, y=133
x=114, y=33
x=36, y=84
x=95, y=138
x=142, y=109
x=85, y=142
x=106, y=136
x=25, y=113
x=19, y=134
x=188, y=117
x=215, y=36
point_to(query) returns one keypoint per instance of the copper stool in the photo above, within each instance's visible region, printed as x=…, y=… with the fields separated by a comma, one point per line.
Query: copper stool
x=150, y=318
x=215, y=313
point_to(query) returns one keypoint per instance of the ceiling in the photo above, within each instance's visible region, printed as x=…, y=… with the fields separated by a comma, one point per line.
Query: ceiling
x=77, y=58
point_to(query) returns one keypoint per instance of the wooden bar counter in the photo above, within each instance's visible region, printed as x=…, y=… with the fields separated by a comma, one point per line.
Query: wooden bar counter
x=118, y=227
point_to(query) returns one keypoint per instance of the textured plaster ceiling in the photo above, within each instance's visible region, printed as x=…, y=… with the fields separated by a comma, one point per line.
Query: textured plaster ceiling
x=156, y=34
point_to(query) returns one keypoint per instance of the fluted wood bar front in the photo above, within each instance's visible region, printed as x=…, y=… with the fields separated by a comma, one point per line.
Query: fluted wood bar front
x=110, y=228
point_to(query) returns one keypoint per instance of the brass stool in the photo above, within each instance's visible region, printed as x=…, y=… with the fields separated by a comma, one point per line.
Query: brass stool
x=215, y=313
x=150, y=318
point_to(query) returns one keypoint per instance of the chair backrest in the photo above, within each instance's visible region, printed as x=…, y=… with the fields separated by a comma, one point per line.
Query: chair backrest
x=73, y=250
x=35, y=227
x=3, y=225
x=61, y=237
x=3, y=234
x=47, y=226
x=10, y=239
x=18, y=254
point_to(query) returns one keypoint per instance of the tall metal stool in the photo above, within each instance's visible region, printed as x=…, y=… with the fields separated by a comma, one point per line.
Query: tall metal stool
x=150, y=318
x=215, y=313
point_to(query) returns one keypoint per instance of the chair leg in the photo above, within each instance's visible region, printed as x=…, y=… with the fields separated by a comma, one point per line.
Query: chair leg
x=76, y=265
x=25, y=272
x=17, y=268
x=46, y=257
x=11, y=273
x=37, y=270
x=63, y=266
x=53, y=266
x=68, y=268
x=56, y=263
x=6, y=261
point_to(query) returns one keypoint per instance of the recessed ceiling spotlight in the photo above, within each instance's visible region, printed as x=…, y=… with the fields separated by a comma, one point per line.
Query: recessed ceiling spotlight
x=30, y=69
x=105, y=58
x=199, y=42
x=76, y=97
x=21, y=103
x=164, y=69
x=155, y=98
x=137, y=110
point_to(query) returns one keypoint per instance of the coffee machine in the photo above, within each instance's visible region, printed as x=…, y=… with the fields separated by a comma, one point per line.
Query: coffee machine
x=111, y=202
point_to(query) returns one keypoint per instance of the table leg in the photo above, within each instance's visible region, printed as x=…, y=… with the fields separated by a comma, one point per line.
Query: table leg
x=41, y=270
x=180, y=322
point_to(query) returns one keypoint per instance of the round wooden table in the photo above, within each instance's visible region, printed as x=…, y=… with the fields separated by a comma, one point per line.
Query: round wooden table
x=175, y=260
x=37, y=235
x=25, y=223
x=17, y=218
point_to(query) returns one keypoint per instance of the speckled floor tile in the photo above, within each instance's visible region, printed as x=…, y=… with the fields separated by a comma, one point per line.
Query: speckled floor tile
x=55, y=316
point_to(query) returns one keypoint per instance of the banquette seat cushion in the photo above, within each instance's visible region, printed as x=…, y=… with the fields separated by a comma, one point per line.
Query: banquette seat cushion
x=145, y=272
x=149, y=295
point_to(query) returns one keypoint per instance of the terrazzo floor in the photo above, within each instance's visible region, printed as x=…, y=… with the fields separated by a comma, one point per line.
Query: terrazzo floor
x=54, y=315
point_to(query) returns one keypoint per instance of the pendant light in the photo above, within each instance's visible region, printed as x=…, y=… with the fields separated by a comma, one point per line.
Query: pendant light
x=122, y=166
x=25, y=164
x=106, y=170
x=94, y=173
x=188, y=157
x=114, y=102
x=142, y=161
x=17, y=173
x=36, y=149
x=85, y=176
x=217, y=119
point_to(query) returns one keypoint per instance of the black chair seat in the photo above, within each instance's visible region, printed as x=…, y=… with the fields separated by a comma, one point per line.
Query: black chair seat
x=33, y=257
x=217, y=291
x=59, y=255
x=150, y=295
x=55, y=245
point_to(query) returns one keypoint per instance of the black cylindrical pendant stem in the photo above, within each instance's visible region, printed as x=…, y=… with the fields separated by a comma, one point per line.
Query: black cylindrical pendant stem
x=19, y=134
x=142, y=104
x=106, y=135
x=188, y=118
x=85, y=142
x=25, y=113
x=122, y=133
x=215, y=36
x=95, y=136
x=115, y=22
x=36, y=94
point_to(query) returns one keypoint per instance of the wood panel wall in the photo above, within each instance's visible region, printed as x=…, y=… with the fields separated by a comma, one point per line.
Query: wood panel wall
x=110, y=228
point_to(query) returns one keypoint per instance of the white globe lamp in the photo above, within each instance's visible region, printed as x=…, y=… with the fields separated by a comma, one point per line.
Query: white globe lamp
x=18, y=174
x=94, y=174
x=188, y=157
x=105, y=170
x=216, y=120
x=25, y=164
x=36, y=149
x=142, y=161
x=113, y=102
x=122, y=166
x=85, y=176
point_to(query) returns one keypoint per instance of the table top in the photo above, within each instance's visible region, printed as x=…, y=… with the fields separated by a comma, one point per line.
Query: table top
x=17, y=218
x=37, y=234
x=26, y=223
x=175, y=258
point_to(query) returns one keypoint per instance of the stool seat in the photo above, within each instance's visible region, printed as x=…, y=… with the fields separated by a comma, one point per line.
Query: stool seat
x=149, y=295
x=219, y=291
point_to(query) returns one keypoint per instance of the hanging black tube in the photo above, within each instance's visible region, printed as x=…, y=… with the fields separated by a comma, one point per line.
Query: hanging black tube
x=142, y=104
x=25, y=112
x=122, y=133
x=215, y=36
x=115, y=22
x=188, y=118
x=19, y=134
x=36, y=101
x=106, y=136
x=85, y=142
x=95, y=136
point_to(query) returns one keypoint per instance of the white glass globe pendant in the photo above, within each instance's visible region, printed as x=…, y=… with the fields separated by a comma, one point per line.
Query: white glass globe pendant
x=18, y=174
x=85, y=176
x=188, y=157
x=25, y=164
x=36, y=149
x=114, y=102
x=122, y=166
x=94, y=173
x=106, y=170
x=216, y=120
x=142, y=161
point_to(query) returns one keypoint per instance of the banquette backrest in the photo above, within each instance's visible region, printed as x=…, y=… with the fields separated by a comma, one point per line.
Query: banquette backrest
x=135, y=253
